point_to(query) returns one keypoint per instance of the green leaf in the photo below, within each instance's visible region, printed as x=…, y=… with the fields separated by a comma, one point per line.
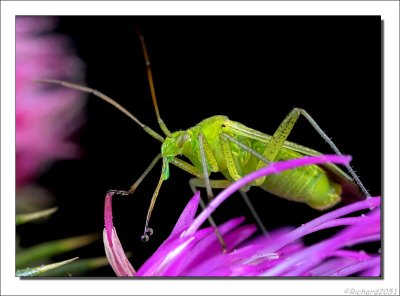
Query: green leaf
x=24, y=218
x=34, y=271
x=47, y=250
x=78, y=267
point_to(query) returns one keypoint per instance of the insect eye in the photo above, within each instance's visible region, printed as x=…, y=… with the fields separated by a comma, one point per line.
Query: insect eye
x=223, y=125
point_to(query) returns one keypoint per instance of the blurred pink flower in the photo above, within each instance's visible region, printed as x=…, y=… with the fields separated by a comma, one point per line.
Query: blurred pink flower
x=190, y=251
x=45, y=116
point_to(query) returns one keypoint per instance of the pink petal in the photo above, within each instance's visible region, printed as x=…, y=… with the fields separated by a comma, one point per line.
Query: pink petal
x=210, y=246
x=314, y=255
x=114, y=251
x=187, y=216
x=116, y=255
x=185, y=219
x=273, y=168
x=192, y=252
x=357, y=267
x=108, y=219
x=169, y=253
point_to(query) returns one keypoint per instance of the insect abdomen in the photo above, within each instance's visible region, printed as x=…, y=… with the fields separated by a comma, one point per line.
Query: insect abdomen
x=309, y=184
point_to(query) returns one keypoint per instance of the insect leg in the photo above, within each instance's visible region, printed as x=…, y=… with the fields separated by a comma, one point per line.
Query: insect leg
x=216, y=184
x=194, y=184
x=227, y=153
x=251, y=151
x=245, y=147
x=145, y=173
x=228, y=157
x=242, y=192
x=220, y=184
x=333, y=146
x=206, y=155
x=283, y=131
x=187, y=167
x=253, y=211
x=137, y=183
x=196, y=172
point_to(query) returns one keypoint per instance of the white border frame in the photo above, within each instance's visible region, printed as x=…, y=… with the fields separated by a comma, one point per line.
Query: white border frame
x=11, y=285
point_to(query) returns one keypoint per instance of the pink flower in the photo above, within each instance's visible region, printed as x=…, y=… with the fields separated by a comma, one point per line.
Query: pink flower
x=45, y=116
x=190, y=251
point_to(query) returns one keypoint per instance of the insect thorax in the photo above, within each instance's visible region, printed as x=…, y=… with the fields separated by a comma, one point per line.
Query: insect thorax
x=187, y=142
x=174, y=145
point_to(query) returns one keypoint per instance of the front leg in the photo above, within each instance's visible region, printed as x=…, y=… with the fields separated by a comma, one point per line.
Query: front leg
x=207, y=160
x=137, y=183
x=194, y=184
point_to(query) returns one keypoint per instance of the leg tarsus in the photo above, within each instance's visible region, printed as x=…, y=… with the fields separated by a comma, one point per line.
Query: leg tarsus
x=214, y=225
x=120, y=192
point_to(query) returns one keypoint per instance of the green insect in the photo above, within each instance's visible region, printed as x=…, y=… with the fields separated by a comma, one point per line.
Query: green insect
x=218, y=144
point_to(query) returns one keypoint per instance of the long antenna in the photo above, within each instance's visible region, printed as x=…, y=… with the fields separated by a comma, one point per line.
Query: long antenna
x=106, y=99
x=151, y=84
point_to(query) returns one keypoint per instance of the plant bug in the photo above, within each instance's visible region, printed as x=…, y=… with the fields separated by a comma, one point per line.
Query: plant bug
x=266, y=112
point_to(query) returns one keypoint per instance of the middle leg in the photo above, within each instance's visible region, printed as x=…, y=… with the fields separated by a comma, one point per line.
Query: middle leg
x=222, y=184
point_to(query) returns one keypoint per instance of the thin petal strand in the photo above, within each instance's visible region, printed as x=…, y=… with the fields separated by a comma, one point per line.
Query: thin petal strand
x=113, y=248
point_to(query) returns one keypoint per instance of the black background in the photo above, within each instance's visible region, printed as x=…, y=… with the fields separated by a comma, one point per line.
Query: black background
x=252, y=69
